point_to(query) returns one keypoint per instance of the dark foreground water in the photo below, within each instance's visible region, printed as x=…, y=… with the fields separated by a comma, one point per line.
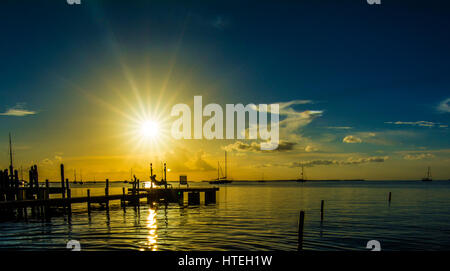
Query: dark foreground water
x=256, y=216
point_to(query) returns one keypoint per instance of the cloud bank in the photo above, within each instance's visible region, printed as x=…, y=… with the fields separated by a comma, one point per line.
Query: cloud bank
x=420, y=123
x=328, y=162
x=352, y=139
x=240, y=146
x=444, y=106
x=18, y=110
x=418, y=156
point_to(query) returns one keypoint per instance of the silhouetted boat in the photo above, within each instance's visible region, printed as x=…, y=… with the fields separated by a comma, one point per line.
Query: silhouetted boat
x=75, y=176
x=302, y=178
x=223, y=179
x=428, y=177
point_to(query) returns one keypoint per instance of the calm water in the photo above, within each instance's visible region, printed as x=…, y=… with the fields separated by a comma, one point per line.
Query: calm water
x=256, y=216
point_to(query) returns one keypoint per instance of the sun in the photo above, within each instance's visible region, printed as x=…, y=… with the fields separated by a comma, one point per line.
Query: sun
x=149, y=129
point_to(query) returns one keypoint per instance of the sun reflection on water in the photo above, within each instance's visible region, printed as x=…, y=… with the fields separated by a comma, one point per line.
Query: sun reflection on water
x=152, y=226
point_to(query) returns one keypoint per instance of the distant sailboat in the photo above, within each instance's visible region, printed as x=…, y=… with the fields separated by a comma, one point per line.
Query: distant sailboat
x=428, y=177
x=74, y=176
x=302, y=178
x=223, y=179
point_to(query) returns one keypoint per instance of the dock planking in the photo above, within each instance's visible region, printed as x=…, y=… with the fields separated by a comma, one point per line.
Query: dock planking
x=55, y=202
x=15, y=197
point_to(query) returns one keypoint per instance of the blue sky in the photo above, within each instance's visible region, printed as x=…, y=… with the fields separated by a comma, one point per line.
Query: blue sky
x=362, y=65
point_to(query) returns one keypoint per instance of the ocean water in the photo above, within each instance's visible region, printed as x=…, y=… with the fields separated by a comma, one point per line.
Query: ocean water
x=254, y=216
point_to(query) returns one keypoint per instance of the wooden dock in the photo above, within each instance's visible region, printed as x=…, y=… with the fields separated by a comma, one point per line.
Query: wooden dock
x=14, y=200
x=156, y=194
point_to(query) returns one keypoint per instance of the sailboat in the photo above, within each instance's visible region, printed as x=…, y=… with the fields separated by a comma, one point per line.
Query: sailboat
x=74, y=176
x=428, y=177
x=302, y=178
x=223, y=179
x=81, y=176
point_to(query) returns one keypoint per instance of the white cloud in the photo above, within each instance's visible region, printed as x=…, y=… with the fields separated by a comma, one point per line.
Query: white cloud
x=240, y=146
x=18, y=111
x=420, y=123
x=352, y=139
x=310, y=148
x=418, y=156
x=328, y=162
x=444, y=106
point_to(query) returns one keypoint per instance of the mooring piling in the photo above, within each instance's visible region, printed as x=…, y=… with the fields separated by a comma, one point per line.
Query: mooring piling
x=89, y=201
x=300, y=230
x=122, y=202
x=63, y=193
x=321, y=210
x=390, y=196
x=69, y=204
x=47, y=189
x=210, y=197
x=194, y=198
x=107, y=194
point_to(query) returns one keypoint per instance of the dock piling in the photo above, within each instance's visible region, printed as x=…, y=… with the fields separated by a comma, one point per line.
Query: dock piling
x=107, y=194
x=390, y=196
x=69, y=204
x=89, y=201
x=122, y=201
x=63, y=193
x=300, y=230
x=193, y=198
x=321, y=211
x=210, y=197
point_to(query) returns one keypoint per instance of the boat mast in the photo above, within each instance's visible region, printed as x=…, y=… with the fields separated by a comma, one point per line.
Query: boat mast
x=226, y=164
x=11, y=168
x=302, y=173
x=429, y=173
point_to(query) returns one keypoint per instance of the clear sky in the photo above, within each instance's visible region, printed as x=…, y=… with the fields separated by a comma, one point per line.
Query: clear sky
x=364, y=89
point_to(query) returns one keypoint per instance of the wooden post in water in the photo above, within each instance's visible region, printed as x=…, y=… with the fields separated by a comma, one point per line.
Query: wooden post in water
x=89, y=201
x=46, y=198
x=210, y=197
x=300, y=230
x=47, y=189
x=390, y=195
x=69, y=203
x=63, y=193
x=165, y=176
x=107, y=188
x=123, y=198
x=321, y=210
x=151, y=174
x=107, y=194
x=193, y=198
